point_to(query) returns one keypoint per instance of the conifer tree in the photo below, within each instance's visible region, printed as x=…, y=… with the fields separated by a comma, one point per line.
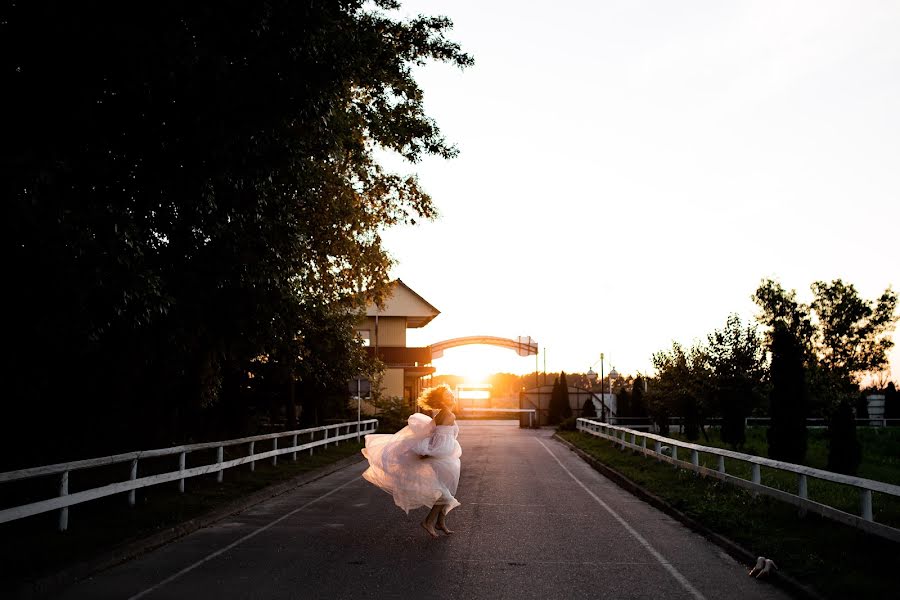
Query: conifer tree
x=554, y=409
x=565, y=409
x=587, y=409
x=788, y=397
x=891, y=402
x=844, y=450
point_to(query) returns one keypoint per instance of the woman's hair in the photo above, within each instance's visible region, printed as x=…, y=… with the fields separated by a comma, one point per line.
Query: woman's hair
x=435, y=398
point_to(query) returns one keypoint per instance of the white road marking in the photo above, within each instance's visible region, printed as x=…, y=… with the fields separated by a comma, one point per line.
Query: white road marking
x=221, y=551
x=643, y=542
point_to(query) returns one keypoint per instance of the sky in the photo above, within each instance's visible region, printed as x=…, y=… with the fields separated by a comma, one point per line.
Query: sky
x=629, y=171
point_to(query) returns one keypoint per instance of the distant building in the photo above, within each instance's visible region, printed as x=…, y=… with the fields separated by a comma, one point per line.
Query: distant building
x=383, y=331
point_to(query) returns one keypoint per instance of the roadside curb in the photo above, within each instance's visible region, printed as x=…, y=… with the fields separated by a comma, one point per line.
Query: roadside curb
x=733, y=549
x=51, y=584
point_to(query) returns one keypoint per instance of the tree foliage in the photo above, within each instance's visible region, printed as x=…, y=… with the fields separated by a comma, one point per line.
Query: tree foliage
x=638, y=401
x=564, y=404
x=194, y=185
x=559, y=408
x=843, y=336
x=588, y=410
x=852, y=336
x=891, y=402
x=788, y=397
x=679, y=388
x=844, y=450
x=736, y=362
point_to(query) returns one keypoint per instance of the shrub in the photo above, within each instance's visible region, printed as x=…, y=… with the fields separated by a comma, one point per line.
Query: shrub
x=568, y=424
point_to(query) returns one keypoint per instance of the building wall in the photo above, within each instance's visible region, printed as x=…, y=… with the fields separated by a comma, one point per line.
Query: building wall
x=393, y=383
x=391, y=331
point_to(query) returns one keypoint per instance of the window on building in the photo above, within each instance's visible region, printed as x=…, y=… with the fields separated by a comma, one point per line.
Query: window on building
x=365, y=336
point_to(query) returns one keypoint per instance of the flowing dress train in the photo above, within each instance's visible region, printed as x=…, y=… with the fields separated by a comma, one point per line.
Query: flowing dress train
x=418, y=465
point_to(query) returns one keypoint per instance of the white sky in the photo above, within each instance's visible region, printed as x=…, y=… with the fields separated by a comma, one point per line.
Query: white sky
x=629, y=171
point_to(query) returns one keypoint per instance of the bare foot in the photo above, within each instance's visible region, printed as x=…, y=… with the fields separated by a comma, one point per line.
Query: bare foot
x=429, y=528
x=443, y=527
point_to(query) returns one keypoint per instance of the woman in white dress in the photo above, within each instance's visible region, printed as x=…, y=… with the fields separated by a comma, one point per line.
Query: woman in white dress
x=419, y=465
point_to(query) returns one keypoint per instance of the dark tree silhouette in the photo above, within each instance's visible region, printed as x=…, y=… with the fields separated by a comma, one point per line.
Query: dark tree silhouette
x=891, y=402
x=844, y=450
x=564, y=406
x=638, y=402
x=588, y=410
x=788, y=397
x=554, y=409
x=191, y=186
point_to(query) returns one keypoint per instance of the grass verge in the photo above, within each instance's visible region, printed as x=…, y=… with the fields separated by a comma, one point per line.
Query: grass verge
x=33, y=549
x=881, y=449
x=837, y=561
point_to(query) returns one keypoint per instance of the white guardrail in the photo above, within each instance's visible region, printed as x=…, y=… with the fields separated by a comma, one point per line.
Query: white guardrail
x=864, y=521
x=62, y=502
x=530, y=411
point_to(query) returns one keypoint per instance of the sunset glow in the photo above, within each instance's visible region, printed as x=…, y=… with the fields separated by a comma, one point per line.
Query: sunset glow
x=476, y=363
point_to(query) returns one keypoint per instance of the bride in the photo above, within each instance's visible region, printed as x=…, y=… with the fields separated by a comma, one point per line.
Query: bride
x=419, y=465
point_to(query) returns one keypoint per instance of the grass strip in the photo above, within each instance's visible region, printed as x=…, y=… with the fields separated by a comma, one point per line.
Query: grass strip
x=32, y=548
x=835, y=560
x=881, y=447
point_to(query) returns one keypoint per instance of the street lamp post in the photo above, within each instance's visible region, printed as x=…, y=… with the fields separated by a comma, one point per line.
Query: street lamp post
x=612, y=375
x=592, y=376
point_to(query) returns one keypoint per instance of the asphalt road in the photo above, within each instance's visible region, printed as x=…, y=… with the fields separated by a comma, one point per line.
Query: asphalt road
x=535, y=522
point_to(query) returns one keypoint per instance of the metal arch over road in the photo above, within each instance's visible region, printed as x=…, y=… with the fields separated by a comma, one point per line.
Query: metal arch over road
x=523, y=345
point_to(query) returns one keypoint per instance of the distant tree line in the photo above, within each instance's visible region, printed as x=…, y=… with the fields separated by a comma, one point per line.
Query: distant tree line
x=807, y=361
x=194, y=210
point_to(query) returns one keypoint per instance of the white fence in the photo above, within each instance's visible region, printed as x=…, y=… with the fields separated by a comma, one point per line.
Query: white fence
x=64, y=500
x=811, y=423
x=865, y=487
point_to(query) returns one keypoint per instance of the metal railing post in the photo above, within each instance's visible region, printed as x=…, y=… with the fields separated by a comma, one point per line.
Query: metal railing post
x=721, y=464
x=275, y=447
x=294, y=445
x=220, y=454
x=695, y=458
x=251, y=453
x=312, y=438
x=675, y=455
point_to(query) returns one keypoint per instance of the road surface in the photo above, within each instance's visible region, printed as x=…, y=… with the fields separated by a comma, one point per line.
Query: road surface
x=535, y=522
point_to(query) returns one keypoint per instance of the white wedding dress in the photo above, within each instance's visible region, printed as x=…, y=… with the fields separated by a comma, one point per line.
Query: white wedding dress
x=418, y=465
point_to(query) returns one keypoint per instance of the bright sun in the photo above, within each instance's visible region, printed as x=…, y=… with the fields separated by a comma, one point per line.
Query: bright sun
x=477, y=363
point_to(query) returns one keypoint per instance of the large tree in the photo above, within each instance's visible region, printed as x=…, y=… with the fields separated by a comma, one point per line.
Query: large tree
x=851, y=339
x=736, y=360
x=185, y=180
x=680, y=388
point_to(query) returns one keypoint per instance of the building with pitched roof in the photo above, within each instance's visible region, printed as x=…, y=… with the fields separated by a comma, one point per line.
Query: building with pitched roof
x=383, y=331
